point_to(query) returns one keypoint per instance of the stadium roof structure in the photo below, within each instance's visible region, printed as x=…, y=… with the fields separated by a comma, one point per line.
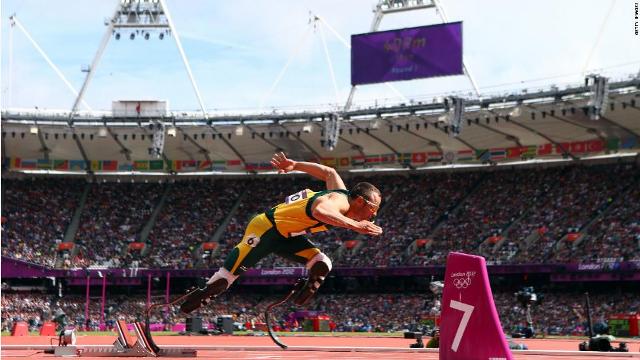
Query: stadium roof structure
x=546, y=125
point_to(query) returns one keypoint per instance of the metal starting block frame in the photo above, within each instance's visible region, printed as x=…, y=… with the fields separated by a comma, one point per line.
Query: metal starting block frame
x=125, y=346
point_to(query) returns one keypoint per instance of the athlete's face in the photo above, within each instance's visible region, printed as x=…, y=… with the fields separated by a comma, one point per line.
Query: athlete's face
x=364, y=208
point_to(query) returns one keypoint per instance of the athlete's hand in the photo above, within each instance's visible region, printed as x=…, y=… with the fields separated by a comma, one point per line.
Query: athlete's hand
x=280, y=162
x=368, y=228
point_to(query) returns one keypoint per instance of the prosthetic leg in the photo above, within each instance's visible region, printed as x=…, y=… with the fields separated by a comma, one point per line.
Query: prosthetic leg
x=146, y=328
x=192, y=300
x=319, y=266
x=267, y=313
x=219, y=282
x=303, y=290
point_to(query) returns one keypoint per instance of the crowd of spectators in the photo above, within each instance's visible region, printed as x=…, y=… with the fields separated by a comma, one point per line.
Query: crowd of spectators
x=112, y=218
x=422, y=205
x=35, y=216
x=615, y=235
x=32, y=308
x=577, y=195
x=192, y=212
x=499, y=200
x=558, y=313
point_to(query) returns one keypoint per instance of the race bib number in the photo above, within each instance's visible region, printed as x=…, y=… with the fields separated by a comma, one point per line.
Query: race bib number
x=252, y=240
x=296, y=197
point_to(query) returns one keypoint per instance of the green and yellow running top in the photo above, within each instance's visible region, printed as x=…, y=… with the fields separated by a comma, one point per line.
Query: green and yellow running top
x=293, y=217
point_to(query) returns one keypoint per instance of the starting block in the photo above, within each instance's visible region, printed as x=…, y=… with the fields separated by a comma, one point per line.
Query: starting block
x=125, y=346
x=470, y=327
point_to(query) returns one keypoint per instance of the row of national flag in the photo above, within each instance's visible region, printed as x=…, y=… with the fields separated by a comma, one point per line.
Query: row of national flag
x=414, y=158
x=114, y=165
x=494, y=154
x=389, y=159
x=576, y=147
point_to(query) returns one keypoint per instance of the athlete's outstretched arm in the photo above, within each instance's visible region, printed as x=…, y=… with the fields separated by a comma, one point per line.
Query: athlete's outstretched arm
x=329, y=212
x=327, y=174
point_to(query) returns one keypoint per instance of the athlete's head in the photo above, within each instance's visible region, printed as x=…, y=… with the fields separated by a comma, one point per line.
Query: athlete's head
x=364, y=201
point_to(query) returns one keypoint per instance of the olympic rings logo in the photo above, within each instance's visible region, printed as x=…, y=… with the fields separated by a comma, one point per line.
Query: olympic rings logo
x=462, y=283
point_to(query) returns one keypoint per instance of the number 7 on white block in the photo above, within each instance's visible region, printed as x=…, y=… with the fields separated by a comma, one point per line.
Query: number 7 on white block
x=467, y=309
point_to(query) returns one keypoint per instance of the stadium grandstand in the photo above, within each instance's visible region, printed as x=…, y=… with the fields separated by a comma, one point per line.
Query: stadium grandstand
x=106, y=212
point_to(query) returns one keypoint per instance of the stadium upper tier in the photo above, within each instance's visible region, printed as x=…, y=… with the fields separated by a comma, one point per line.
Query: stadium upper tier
x=560, y=214
x=546, y=124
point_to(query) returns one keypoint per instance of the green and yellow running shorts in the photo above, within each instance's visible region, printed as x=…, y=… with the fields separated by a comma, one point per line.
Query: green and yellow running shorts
x=260, y=239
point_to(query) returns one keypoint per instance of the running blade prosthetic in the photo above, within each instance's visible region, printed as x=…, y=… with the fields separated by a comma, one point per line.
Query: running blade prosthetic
x=202, y=296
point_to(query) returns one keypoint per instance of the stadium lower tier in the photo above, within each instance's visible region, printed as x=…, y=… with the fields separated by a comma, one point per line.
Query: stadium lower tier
x=555, y=313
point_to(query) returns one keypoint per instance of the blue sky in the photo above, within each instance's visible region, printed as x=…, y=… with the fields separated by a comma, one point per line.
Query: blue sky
x=237, y=48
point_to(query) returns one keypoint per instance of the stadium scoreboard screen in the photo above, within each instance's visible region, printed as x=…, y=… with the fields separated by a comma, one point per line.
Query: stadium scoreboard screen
x=405, y=54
